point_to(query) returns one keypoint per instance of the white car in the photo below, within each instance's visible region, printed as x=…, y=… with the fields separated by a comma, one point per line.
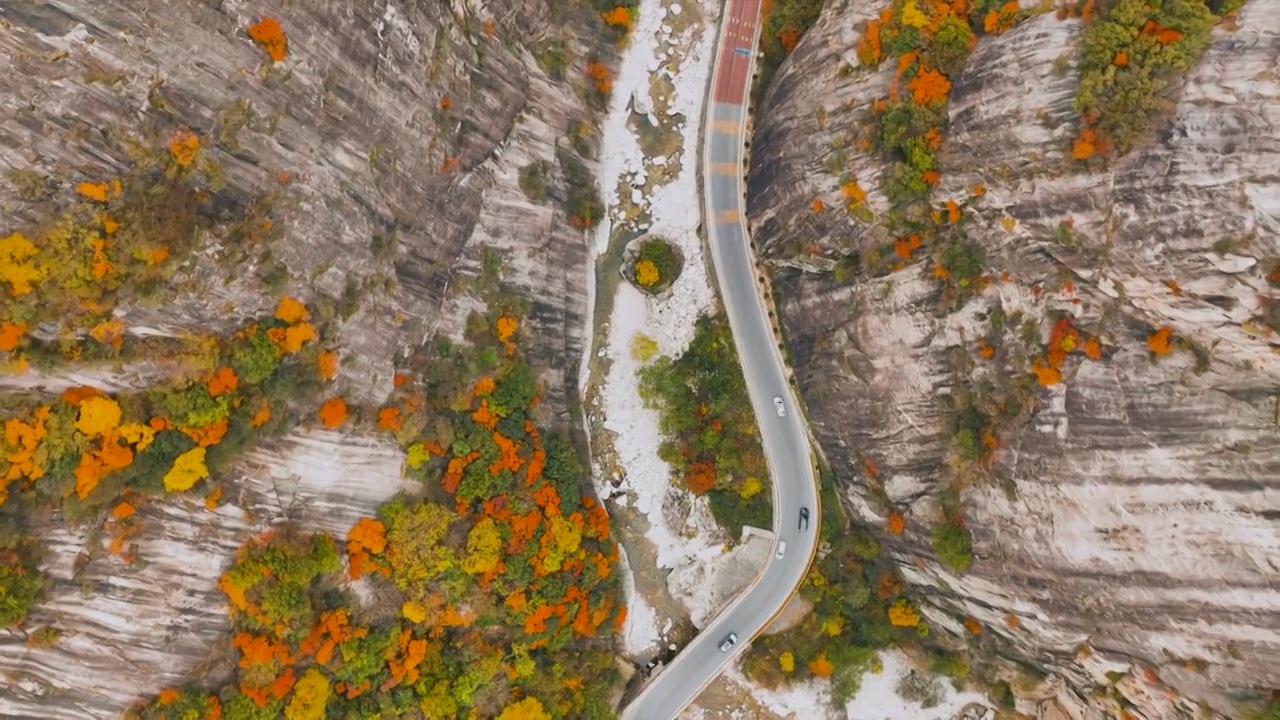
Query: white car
x=779, y=406
x=782, y=549
x=729, y=641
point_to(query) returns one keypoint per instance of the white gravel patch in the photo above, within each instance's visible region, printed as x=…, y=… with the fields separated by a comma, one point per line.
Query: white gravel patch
x=879, y=700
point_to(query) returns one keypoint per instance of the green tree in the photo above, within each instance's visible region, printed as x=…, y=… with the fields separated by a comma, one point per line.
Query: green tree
x=255, y=358
x=953, y=545
x=21, y=586
x=515, y=390
x=241, y=707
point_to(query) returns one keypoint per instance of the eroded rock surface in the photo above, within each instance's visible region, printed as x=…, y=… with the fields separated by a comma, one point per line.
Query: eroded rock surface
x=355, y=114
x=1139, y=516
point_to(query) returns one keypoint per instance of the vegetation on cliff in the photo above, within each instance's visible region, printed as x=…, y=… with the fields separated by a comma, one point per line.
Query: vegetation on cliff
x=783, y=23
x=496, y=584
x=500, y=570
x=1133, y=54
x=98, y=457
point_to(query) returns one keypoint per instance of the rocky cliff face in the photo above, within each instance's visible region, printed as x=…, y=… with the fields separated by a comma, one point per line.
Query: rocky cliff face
x=1130, y=518
x=390, y=141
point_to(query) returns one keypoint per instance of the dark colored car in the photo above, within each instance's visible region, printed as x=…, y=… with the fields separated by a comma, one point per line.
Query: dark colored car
x=804, y=518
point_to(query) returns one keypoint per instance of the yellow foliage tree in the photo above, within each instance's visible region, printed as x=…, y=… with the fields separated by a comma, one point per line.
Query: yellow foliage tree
x=643, y=347
x=15, y=265
x=529, y=708
x=414, y=612
x=110, y=332
x=565, y=538
x=416, y=548
x=484, y=547
x=137, y=435
x=98, y=415
x=439, y=702
x=94, y=191
x=901, y=614
x=187, y=470
x=750, y=488
x=787, y=661
x=647, y=273
x=310, y=696
x=833, y=626
x=912, y=16
x=417, y=455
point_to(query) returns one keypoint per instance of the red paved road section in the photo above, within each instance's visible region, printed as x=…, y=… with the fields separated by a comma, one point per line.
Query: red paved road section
x=735, y=69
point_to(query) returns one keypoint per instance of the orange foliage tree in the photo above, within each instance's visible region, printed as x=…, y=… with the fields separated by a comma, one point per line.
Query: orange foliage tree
x=1086, y=144
x=506, y=326
x=821, y=667
x=789, y=38
x=270, y=37
x=896, y=523
x=333, y=412
x=10, y=333
x=1064, y=339
x=183, y=146
x=390, y=418
x=1159, y=341
x=929, y=87
x=618, y=17
x=368, y=537
x=700, y=477
x=327, y=365
x=599, y=74
x=223, y=381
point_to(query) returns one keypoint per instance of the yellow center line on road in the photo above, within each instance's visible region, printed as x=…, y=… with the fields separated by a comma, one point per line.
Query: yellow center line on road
x=725, y=127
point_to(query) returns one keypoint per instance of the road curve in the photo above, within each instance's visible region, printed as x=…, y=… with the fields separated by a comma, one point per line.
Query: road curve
x=786, y=445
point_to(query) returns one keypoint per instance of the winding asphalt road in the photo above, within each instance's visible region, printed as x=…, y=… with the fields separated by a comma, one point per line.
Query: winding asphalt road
x=786, y=445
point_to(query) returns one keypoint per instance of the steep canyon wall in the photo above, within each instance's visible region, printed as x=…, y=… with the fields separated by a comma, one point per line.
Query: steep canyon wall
x=1130, y=518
